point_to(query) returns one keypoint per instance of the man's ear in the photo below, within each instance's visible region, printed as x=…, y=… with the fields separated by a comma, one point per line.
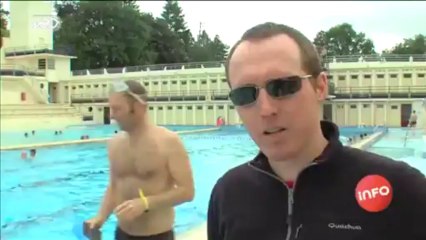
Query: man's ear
x=321, y=89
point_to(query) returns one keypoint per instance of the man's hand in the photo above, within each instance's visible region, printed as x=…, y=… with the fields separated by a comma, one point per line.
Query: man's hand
x=96, y=222
x=130, y=209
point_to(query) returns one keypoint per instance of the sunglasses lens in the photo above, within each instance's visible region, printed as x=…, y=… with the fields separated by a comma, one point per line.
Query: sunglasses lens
x=243, y=96
x=283, y=87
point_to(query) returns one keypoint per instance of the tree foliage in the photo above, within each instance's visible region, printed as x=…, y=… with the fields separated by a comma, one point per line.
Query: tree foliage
x=343, y=40
x=415, y=45
x=107, y=34
x=3, y=21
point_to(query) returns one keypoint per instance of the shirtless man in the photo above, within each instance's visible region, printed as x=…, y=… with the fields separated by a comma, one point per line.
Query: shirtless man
x=143, y=157
x=413, y=120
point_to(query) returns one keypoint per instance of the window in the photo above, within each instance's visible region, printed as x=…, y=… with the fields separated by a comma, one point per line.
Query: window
x=223, y=79
x=179, y=107
x=394, y=107
x=189, y=107
x=354, y=77
x=353, y=106
x=380, y=76
x=366, y=105
x=231, y=107
x=160, y=108
x=164, y=82
x=169, y=108
x=407, y=75
x=330, y=77
x=199, y=107
x=210, y=107
x=151, y=108
x=379, y=106
x=51, y=63
x=42, y=64
x=203, y=82
x=367, y=76
x=214, y=81
x=155, y=83
x=394, y=75
x=220, y=107
x=183, y=82
x=421, y=75
x=342, y=78
x=80, y=86
x=193, y=81
x=174, y=82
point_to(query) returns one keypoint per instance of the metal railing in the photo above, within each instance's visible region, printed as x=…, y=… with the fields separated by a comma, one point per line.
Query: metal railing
x=373, y=91
x=20, y=70
x=38, y=49
x=220, y=64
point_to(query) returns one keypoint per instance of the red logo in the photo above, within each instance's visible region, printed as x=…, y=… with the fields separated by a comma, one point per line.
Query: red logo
x=374, y=193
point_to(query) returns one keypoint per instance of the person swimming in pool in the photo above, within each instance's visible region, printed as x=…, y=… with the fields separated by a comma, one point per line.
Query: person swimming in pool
x=150, y=172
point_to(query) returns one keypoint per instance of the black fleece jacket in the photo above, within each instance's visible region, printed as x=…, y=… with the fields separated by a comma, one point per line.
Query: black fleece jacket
x=250, y=202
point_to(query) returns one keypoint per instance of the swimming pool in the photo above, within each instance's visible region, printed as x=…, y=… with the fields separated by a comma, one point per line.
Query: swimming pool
x=412, y=152
x=73, y=133
x=43, y=198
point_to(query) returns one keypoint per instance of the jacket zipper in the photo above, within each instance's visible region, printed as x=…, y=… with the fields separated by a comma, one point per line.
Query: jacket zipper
x=290, y=195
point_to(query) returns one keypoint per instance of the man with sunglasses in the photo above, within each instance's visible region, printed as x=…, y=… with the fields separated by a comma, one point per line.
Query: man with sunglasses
x=150, y=171
x=304, y=184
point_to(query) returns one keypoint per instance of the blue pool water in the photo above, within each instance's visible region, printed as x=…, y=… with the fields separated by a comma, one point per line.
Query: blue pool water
x=392, y=145
x=41, y=199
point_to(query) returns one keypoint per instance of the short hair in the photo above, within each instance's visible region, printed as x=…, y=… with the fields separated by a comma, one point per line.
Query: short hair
x=137, y=88
x=311, y=62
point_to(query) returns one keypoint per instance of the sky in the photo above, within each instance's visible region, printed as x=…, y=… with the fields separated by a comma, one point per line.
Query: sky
x=386, y=23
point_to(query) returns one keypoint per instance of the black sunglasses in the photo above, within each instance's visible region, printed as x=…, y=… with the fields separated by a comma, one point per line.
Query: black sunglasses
x=276, y=88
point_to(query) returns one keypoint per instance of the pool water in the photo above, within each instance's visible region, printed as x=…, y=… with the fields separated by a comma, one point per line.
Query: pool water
x=43, y=198
x=393, y=145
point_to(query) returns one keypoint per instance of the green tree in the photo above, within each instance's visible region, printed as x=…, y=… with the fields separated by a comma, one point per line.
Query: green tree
x=415, y=45
x=164, y=42
x=3, y=26
x=100, y=33
x=344, y=40
x=219, y=50
x=175, y=19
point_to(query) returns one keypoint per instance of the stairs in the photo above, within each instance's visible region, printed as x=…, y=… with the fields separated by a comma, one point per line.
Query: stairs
x=38, y=116
x=32, y=86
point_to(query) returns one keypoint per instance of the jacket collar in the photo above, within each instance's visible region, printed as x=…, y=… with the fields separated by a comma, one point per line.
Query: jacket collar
x=330, y=132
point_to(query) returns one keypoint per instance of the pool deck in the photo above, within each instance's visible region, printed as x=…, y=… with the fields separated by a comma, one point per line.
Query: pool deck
x=94, y=140
x=200, y=232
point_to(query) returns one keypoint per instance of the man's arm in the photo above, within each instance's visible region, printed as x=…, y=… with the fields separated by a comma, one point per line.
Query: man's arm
x=180, y=170
x=107, y=205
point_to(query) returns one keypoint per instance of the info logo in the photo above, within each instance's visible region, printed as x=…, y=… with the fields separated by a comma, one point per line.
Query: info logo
x=374, y=193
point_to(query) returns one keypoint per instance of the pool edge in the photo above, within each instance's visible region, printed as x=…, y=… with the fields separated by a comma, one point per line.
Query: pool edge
x=95, y=140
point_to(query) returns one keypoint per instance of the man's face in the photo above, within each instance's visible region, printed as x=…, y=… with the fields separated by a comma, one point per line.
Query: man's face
x=257, y=62
x=123, y=111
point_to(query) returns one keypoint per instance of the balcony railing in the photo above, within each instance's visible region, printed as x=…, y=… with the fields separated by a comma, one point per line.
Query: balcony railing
x=202, y=95
x=38, y=49
x=19, y=70
x=381, y=92
x=220, y=64
x=182, y=95
x=377, y=58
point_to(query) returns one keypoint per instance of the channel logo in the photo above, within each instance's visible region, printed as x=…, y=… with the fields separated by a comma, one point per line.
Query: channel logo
x=374, y=193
